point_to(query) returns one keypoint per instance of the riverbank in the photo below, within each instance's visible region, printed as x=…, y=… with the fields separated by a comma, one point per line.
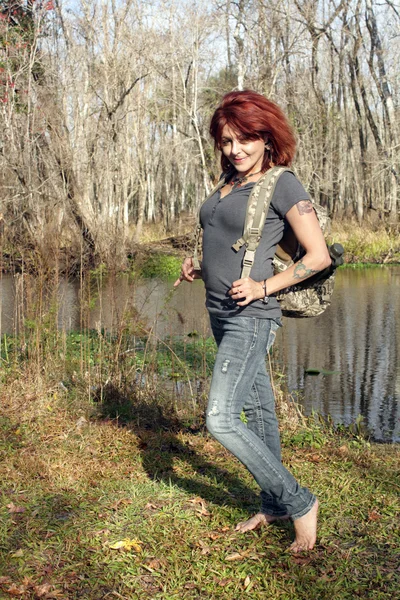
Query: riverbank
x=110, y=488
x=160, y=254
x=364, y=244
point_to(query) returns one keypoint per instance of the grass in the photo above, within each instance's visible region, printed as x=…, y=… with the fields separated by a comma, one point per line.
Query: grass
x=159, y=264
x=367, y=243
x=143, y=507
x=111, y=487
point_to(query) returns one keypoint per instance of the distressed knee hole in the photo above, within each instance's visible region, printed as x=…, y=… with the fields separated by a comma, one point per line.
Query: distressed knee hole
x=214, y=410
x=225, y=366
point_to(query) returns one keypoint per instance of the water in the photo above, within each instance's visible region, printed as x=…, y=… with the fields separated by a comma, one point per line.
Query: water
x=358, y=337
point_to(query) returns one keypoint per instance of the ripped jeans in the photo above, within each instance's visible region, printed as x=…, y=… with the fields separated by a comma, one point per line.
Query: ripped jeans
x=240, y=382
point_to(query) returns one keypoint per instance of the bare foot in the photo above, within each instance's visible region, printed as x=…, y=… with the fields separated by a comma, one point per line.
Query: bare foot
x=306, y=531
x=259, y=520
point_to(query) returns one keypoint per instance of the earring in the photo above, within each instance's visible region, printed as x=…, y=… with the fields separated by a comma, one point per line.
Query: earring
x=267, y=146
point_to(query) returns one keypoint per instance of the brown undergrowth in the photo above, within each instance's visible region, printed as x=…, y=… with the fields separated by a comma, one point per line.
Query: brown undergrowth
x=93, y=506
x=111, y=487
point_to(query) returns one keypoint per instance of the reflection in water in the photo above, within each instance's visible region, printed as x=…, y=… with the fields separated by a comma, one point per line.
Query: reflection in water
x=359, y=336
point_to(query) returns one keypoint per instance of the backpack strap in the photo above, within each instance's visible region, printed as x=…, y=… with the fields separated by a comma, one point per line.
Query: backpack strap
x=256, y=212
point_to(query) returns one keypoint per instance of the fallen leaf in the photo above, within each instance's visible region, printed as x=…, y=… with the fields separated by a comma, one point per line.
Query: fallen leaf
x=5, y=581
x=154, y=564
x=18, y=554
x=205, y=548
x=209, y=447
x=151, y=506
x=55, y=594
x=15, y=590
x=81, y=422
x=373, y=515
x=13, y=509
x=234, y=556
x=122, y=501
x=315, y=458
x=42, y=590
x=246, y=582
x=102, y=532
x=214, y=536
x=127, y=544
x=203, y=512
x=201, y=509
x=197, y=500
x=222, y=582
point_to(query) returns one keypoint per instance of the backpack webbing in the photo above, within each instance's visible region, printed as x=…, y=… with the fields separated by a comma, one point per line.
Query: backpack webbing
x=256, y=212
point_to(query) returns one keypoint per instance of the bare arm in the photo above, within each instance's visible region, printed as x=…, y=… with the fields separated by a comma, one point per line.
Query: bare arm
x=302, y=219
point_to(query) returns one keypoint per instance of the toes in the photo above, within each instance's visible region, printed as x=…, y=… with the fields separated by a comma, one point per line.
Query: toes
x=247, y=526
x=298, y=547
x=243, y=527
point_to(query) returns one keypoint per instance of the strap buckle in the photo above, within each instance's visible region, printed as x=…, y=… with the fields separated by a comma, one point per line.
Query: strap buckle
x=238, y=244
x=248, y=258
x=254, y=231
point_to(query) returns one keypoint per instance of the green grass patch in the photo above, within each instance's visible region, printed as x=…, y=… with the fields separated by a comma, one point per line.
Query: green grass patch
x=91, y=509
x=173, y=357
x=163, y=266
x=368, y=243
x=362, y=266
x=111, y=488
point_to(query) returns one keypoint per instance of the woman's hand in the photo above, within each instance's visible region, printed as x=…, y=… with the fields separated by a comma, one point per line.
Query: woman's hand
x=246, y=290
x=188, y=272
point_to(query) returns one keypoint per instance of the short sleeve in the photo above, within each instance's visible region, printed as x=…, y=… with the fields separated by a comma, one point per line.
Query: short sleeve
x=288, y=192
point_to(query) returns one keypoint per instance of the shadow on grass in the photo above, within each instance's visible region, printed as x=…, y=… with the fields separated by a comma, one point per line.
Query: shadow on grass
x=158, y=426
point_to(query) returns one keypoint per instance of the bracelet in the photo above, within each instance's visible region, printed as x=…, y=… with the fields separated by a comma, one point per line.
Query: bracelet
x=265, y=300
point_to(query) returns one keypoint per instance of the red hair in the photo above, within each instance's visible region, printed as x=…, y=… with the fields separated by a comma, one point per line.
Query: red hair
x=253, y=116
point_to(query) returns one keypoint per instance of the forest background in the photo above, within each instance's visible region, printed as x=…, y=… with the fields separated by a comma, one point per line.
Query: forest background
x=110, y=487
x=105, y=107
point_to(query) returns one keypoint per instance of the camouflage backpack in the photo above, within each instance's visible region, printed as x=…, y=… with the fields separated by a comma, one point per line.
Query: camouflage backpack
x=309, y=298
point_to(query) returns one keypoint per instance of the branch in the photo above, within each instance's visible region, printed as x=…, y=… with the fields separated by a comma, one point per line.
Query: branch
x=124, y=95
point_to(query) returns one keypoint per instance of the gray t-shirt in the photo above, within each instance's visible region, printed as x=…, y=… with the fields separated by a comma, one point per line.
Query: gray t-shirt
x=222, y=220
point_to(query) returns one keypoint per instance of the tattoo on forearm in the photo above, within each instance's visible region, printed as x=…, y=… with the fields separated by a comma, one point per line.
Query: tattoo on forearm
x=301, y=271
x=304, y=207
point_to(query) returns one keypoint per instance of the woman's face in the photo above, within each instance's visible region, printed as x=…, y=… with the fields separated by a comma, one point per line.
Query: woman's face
x=245, y=155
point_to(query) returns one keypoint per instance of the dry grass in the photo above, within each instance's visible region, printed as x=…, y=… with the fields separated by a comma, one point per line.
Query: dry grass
x=367, y=243
x=75, y=482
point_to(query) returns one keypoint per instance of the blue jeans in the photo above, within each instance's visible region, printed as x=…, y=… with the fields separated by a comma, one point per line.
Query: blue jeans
x=240, y=382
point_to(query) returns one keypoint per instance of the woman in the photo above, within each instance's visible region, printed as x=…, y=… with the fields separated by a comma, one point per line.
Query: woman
x=253, y=135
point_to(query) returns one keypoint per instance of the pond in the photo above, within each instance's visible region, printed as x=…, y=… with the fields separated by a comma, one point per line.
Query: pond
x=353, y=348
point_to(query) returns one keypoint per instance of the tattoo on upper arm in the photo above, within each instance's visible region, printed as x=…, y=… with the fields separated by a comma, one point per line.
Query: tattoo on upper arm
x=301, y=271
x=304, y=207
